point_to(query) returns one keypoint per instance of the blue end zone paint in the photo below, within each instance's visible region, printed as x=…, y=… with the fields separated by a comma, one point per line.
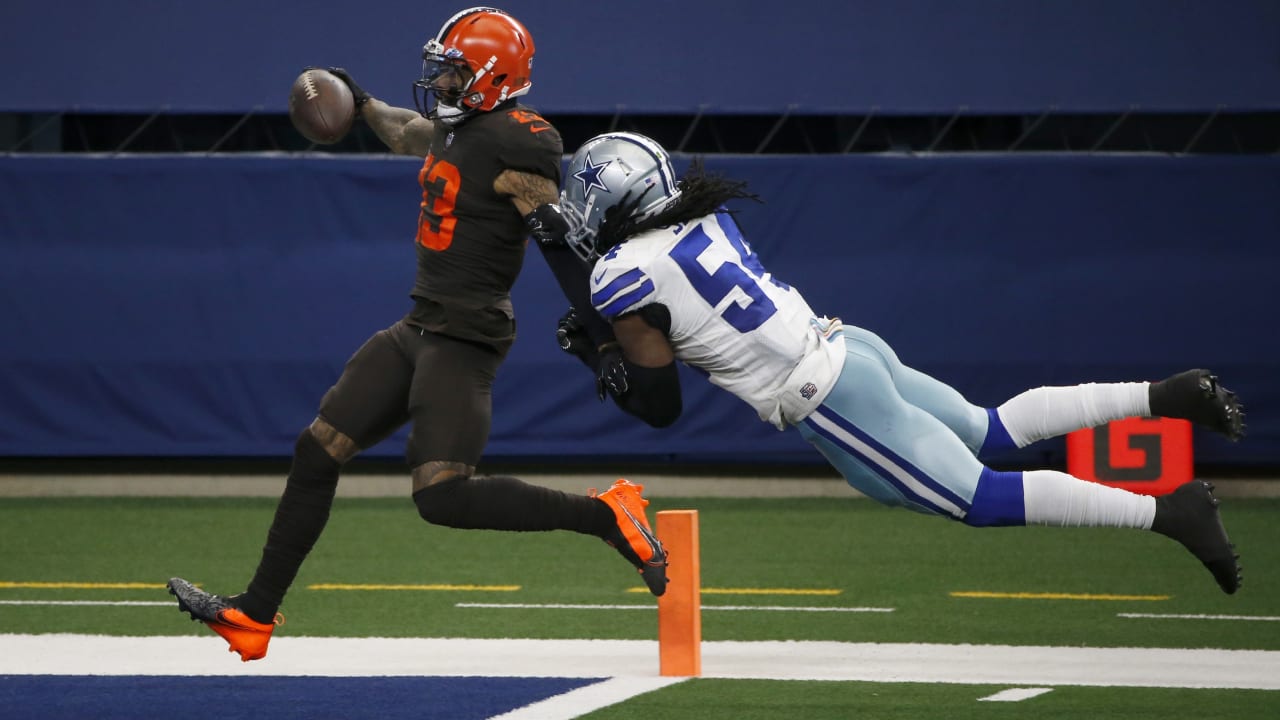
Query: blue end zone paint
x=68, y=697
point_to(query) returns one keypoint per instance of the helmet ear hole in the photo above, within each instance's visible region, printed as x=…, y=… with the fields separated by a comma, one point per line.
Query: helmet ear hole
x=498, y=80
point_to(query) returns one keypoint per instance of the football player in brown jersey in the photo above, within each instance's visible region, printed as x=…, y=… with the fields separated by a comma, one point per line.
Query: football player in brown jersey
x=490, y=178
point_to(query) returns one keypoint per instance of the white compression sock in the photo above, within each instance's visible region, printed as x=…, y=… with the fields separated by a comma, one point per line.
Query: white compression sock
x=1061, y=500
x=1046, y=412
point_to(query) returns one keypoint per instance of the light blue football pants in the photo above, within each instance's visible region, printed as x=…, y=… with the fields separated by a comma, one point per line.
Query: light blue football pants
x=907, y=439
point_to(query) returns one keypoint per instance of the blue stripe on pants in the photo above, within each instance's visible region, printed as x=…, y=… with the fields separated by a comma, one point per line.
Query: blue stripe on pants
x=909, y=481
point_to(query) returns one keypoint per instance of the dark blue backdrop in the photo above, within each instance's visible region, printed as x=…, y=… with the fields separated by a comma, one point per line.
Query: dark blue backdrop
x=896, y=56
x=182, y=306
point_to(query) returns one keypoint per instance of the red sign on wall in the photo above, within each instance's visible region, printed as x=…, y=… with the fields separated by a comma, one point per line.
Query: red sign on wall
x=1151, y=456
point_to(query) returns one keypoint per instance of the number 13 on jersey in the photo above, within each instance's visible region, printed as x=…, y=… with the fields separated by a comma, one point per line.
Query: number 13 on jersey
x=440, y=181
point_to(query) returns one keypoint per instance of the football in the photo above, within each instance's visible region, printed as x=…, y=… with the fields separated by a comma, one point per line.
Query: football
x=321, y=107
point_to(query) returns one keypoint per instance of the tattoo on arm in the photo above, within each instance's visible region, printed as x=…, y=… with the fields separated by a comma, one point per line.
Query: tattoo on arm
x=401, y=129
x=526, y=190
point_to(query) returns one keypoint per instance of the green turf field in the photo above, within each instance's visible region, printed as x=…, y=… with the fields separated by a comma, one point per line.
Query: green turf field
x=737, y=700
x=805, y=552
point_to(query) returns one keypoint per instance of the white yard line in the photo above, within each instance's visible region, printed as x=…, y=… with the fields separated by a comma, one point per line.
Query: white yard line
x=551, y=606
x=1169, y=616
x=761, y=608
x=1015, y=694
x=576, y=703
x=1035, y=666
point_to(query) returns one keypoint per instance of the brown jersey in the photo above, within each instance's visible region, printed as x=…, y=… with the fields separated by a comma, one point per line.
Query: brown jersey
x=471, y=240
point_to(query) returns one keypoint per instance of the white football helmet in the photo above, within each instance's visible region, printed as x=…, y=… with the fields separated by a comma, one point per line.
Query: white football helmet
x=608, y=170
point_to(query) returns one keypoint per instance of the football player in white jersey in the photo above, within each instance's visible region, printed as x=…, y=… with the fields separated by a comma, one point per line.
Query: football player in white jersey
x=677, y=280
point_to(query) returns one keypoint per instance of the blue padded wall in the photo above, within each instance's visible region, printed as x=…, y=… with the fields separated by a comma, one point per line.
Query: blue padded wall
x=190, y=306
x=815, y=56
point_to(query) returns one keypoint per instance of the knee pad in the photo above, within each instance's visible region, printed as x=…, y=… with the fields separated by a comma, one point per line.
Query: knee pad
x=443, y=503
x=998, y=501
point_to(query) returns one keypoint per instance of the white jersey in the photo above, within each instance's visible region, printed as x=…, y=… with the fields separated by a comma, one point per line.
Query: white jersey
x=754, y=335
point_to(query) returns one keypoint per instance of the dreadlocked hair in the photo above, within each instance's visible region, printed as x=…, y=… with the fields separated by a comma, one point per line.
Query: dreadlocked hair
x=700, y=194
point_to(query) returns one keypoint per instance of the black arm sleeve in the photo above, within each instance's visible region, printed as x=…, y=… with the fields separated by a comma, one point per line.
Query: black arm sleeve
x=548, y=227
x=653, y=394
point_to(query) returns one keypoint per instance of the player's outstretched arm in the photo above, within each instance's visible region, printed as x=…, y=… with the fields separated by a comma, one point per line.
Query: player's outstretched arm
x=535, y=198
x=403, y=130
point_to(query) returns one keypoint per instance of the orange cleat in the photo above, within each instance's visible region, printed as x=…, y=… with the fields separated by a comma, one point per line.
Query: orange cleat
x=245, y=635
x=632, y=536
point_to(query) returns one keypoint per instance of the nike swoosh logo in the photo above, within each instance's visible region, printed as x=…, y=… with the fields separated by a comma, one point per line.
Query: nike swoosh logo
x=599, y=277
x=538, y=128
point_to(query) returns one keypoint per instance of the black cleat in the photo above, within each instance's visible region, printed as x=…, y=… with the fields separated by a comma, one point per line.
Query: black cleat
x=1190, y=516
x=1197, y=396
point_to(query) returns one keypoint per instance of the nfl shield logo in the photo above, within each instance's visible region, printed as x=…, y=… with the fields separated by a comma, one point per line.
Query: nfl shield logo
x=808, y=390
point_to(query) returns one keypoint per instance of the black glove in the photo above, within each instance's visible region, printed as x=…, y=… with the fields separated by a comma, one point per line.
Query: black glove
x=547, y=225
x=572, y=337
x=605, y=361
x=611, y=378
x=357, y=93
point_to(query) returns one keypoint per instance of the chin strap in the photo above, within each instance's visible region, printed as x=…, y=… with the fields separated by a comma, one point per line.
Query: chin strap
x=450, y=115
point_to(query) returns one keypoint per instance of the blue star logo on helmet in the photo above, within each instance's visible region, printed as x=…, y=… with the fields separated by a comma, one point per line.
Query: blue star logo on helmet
x=589, y=176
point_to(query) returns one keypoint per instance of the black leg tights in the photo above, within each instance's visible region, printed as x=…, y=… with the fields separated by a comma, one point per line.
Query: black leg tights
x=495, y=502
x=300, y=518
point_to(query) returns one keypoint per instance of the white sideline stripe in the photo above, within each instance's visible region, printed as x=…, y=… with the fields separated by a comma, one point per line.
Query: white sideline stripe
x=1015, y=694
x=1030, y=666
x=765, y=608
x=1262, y=618
x=576, y=703
x=155, y=603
